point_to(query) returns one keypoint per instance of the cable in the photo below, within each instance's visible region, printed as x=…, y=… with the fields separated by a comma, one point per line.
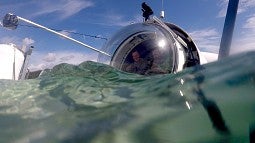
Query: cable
x=76, y=33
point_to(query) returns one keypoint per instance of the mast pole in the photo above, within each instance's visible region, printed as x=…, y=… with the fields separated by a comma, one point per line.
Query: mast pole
x=228, y=29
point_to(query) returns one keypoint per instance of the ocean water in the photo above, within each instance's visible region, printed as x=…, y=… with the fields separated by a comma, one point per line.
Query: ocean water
x=95, y=103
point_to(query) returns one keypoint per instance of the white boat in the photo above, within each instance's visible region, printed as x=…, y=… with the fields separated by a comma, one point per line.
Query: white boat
x=13, y=62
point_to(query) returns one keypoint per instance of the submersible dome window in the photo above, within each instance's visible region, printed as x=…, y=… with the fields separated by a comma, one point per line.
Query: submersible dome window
x=146, y=38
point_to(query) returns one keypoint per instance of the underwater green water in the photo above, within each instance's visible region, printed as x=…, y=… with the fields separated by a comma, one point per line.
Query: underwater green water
x=96, y=103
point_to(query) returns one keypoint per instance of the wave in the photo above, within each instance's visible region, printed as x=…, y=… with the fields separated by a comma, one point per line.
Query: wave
x=93, y=102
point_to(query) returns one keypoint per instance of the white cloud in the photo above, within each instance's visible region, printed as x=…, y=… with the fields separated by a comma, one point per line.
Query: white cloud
x=20, y=43
x=245, y=42
x=250, y=23
x=39, y=61
x=113, y=19
x=207, y=40
x=116, y=19
x=50, y=57
x=67, y=58
x=210, y=57
x=9, y=39
x=64, y=8
x=66, y=33
x=27, y=41
x=243, y=6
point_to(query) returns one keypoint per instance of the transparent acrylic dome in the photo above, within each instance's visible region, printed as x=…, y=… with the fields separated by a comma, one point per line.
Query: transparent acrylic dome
x=151, y=47
x=146, y=39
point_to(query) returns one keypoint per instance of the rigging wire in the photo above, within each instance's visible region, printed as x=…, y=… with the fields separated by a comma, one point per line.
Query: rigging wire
x=162, y=4
x=76, y=33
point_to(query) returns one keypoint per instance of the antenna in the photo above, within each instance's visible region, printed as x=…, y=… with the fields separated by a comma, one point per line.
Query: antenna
x=162, y=13
x=11, y=21
x=228, y=29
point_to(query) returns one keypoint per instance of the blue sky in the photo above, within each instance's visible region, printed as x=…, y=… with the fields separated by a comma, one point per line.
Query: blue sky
x=202, y=19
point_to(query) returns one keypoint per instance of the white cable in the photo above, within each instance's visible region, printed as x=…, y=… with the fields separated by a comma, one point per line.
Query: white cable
x=60, y=34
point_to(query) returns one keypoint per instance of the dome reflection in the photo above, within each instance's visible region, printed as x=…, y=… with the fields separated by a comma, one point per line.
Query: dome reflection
x=148, y=48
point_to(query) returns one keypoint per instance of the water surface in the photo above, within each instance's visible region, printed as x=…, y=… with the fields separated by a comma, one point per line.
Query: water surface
x=96, y=103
